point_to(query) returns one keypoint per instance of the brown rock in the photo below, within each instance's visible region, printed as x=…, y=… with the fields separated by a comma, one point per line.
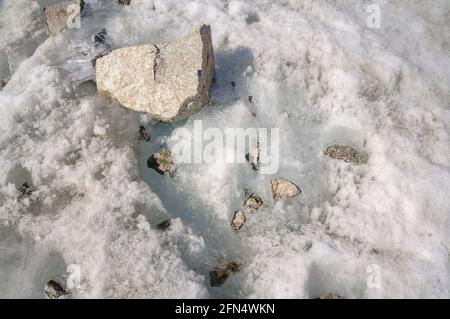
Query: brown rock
x=162, y=163
x=347, y=154
x=282, y=188
x=222, y=271
x=238, y=220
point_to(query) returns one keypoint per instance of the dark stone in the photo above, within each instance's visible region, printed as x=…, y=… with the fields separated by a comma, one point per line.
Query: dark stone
x=164, y=225
x=124, y=2
x=55, y=289
x=233, y=84
x=153, y=164
x=222, y=271
x=26, y=189
x=250, y=99
x=143, y=133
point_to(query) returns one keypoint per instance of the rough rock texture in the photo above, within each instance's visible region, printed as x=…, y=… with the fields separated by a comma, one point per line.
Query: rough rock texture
x=346, y=153
x=253, y=202
x=124, y=2
x=57, y=15
x=238, y=220
x=168, y=81
x=282, y=188
x=331, y=295
x=162, y=163
x=55, y=289
x=222, y=271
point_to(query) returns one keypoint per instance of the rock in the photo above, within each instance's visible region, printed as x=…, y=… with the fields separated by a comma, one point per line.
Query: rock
x=162, y=163
x=282, y=188
x=253, y=202
x=253, y=157
x=124, y=2
x=143, y=133
x=3, y=83
x=59, y=14
x=238, y=220
x=331, y=295
x=56, y=289
x=347, y=154
x=26, y=190
x=222, y=271
x=102, y=45
x=164, y=225
x=168, y=81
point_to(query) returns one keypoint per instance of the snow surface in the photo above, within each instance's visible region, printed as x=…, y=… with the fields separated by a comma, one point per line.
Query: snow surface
x=315, y=70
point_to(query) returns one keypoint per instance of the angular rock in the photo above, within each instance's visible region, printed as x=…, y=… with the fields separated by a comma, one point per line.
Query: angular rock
x=222, y=271
x=162, y=163
x=143, y=133
x=238, y=220
x=56, y=289
x=58, y=14
x=168, y=81
x=253, y=202
x=282, y=188
x=331, y=295
x=347, y=154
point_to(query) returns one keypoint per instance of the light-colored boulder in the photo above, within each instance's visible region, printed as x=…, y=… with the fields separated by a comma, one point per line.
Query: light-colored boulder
x=59, y=14
x=168, y=81
x=282, y=188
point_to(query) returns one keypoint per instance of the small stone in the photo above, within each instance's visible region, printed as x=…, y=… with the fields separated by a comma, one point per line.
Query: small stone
x=253, y=157
x=3, y=83
x=102, y=45
x=168, y=81
x=282, y=188
x=238, y=220
x=253, y=202
x=250, y=99
x=59, y=14
x=164, y=225
x=143, y=133
x=124, y=2
x=233, y=84
x=55, y=289
x=331, y=295
x=26, y=189
x=222, y=271
x=347, y=154
x=162, y=163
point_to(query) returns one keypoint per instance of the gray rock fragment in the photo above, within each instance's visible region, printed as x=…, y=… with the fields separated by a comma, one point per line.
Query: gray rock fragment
x=56, y=289
x=331, y=295
x=168, y=81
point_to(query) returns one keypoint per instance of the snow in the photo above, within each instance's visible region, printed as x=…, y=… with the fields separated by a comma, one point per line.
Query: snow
x=315, y=70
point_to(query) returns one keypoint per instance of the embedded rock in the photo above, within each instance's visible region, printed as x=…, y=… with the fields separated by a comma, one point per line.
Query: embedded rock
x=168, y=81
x=222, y=271
x=238, y=220
x=253, y=157
x=253, y=202
x=162, y=163
x=144, y=134
x=346, y=154
x=282, y=188
x=59, y=14
x=124, y=2
x=331, y=295
x=55, y=289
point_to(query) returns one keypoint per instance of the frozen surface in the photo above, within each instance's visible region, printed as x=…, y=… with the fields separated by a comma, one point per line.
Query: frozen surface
x=315, y=70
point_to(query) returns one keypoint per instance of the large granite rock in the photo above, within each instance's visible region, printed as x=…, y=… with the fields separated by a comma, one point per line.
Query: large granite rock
x=168, y=81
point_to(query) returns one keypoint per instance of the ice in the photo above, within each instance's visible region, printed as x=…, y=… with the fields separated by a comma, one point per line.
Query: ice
x=315, y=70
